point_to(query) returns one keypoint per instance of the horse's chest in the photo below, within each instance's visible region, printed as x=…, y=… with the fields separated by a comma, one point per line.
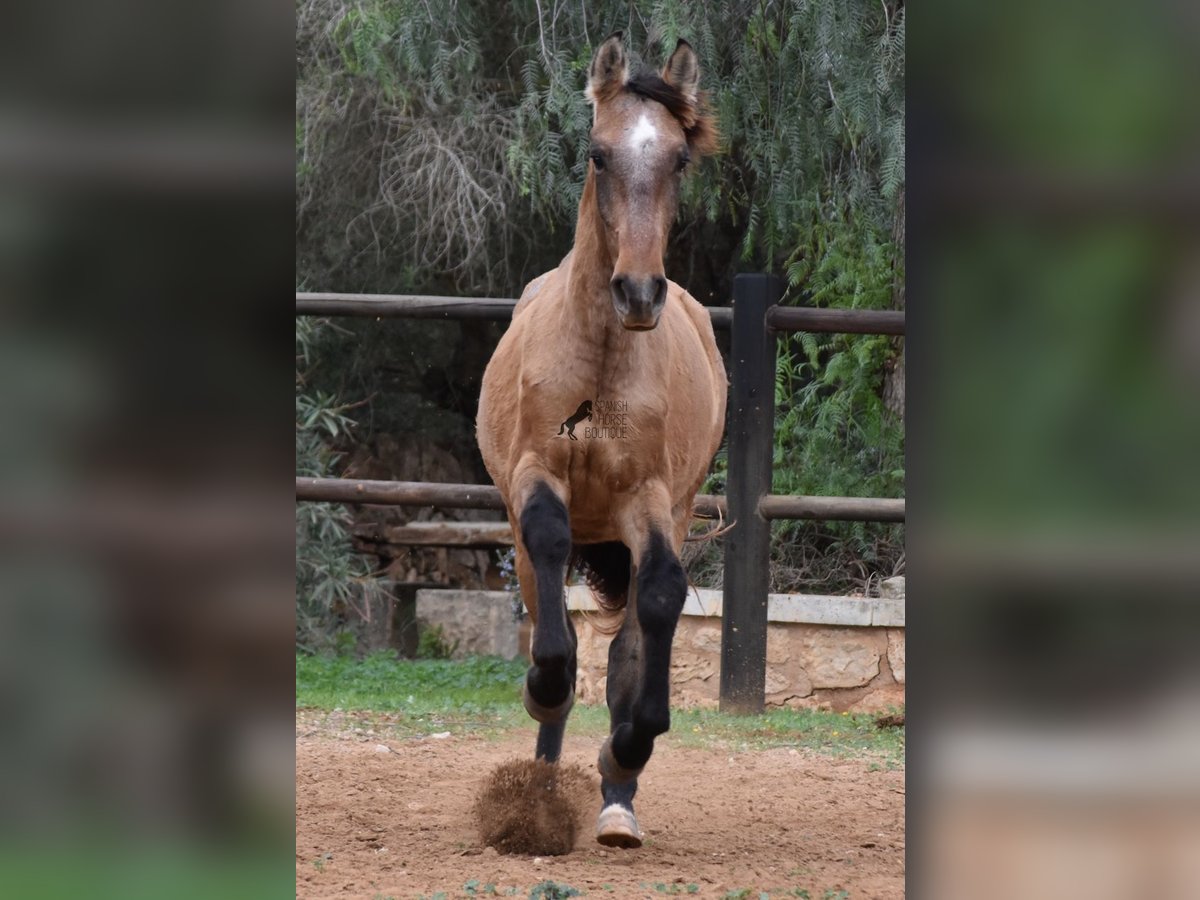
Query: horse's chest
x=615, y=455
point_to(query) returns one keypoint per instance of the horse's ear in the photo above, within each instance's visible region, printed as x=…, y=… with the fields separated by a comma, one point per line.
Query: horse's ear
x=607, y=73
x=683, y=71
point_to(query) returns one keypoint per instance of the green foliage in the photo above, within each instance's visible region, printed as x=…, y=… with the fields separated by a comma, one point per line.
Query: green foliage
x=434, y=645
x=552, y=890
x=809, y=96
x=333, y=584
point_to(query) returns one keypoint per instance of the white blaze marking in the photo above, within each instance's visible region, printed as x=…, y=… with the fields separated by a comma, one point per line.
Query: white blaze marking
x=643, y=133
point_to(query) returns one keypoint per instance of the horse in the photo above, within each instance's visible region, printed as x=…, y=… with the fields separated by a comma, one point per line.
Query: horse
x=569, y=423
x=607, y=324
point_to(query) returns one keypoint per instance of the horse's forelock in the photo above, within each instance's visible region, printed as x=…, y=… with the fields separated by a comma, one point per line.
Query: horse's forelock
x=699, y=126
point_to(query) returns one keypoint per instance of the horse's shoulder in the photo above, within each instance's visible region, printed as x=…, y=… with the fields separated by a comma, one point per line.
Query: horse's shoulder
x=544, y=283
x=692, y=307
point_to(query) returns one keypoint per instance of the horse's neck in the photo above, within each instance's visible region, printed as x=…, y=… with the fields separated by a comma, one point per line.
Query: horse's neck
x=587, y=307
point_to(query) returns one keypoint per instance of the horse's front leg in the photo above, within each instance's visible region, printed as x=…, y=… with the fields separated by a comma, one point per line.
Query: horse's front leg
x=545, y=545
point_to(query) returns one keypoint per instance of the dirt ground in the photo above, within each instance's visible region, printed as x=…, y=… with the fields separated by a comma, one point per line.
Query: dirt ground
x=384, y=817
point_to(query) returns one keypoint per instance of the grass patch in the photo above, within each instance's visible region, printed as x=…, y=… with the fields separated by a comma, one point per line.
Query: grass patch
x=483, y=695
x=382, y=683
x=834, y=734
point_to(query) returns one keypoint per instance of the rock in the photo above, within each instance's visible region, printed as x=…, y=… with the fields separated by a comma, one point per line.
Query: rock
x=706, y=637
x=895, y=653
x=882, y=698
x=689, y=667
x=784, y=687
x=473, y=622
x=838, y=657
x=892, y=588
x=779, y=649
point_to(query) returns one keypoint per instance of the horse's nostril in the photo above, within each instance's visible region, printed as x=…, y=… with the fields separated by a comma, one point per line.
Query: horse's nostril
x=620, y=291
x=660, y=291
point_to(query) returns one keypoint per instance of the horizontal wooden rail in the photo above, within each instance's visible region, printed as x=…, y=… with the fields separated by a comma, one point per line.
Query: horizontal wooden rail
x=487, y=496
x=844, y=509
x=405, y=306
x=410, y=306
x=438, y=534
x=499, y=309
x=399, y=493
x=473, y=535
x=840, y=321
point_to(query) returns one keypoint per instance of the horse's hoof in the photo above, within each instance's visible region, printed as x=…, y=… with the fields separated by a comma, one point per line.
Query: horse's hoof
x=544, y=714
x=618, y=827
x=610, y=769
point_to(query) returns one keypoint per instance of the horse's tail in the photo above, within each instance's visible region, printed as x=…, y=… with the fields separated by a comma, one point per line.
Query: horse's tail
x=561, y=428
x=605, y=567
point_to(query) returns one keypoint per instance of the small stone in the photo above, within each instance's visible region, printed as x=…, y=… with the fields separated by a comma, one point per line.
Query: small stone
x=707, y=638
x=838, y=657
x=892, y=588
x=776, y=680
x=441, y=735
x=895, y=653
x=382, y=748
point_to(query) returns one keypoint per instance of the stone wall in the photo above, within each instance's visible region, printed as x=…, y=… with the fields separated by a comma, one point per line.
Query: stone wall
x=477, y=623
x=851, y=658
x=839, y=653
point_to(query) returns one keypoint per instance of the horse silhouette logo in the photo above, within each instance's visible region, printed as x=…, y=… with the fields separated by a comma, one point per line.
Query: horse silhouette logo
x=568, y=425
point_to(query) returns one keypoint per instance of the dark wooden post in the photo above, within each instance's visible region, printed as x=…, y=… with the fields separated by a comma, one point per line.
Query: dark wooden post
x=405, y=635
x=751, y=420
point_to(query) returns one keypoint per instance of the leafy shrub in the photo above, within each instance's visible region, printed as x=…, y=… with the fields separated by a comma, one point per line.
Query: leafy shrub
x=433, y=644
x=333, y=583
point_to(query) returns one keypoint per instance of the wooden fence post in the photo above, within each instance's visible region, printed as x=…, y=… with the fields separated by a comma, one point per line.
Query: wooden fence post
x=751, y=419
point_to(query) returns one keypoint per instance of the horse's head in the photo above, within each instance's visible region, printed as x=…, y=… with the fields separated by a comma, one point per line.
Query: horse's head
x=586, y=407
x=645, y=131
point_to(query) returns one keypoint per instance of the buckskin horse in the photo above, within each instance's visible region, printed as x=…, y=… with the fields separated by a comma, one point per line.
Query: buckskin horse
x=607, y=324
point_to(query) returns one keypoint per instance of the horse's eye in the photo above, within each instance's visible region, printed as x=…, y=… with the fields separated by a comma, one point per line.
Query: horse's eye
x=597, y=160
x=684, y=159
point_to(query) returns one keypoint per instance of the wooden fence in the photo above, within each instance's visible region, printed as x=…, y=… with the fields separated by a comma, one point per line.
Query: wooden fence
x=754, y=319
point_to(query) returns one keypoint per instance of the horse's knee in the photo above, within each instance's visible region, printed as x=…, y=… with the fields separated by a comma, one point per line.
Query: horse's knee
x=553, y=645
x=662, y=588
x=653, y=721
x=545, y=529
x=553, y=652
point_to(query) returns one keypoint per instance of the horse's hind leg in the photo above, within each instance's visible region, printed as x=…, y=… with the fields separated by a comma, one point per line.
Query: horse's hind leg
x=545, y=539
x=643, y=695
x=618, y=826
x=661, y=592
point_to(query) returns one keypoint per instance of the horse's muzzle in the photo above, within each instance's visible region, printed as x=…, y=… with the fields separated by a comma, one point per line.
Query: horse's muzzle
x=638, y=301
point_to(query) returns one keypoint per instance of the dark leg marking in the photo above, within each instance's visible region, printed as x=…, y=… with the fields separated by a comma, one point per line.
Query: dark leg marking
x=550, y=681
x=624, y=675
x=661, y=592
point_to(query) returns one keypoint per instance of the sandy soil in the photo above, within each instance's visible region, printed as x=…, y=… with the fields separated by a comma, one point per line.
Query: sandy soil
x=378, y=816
